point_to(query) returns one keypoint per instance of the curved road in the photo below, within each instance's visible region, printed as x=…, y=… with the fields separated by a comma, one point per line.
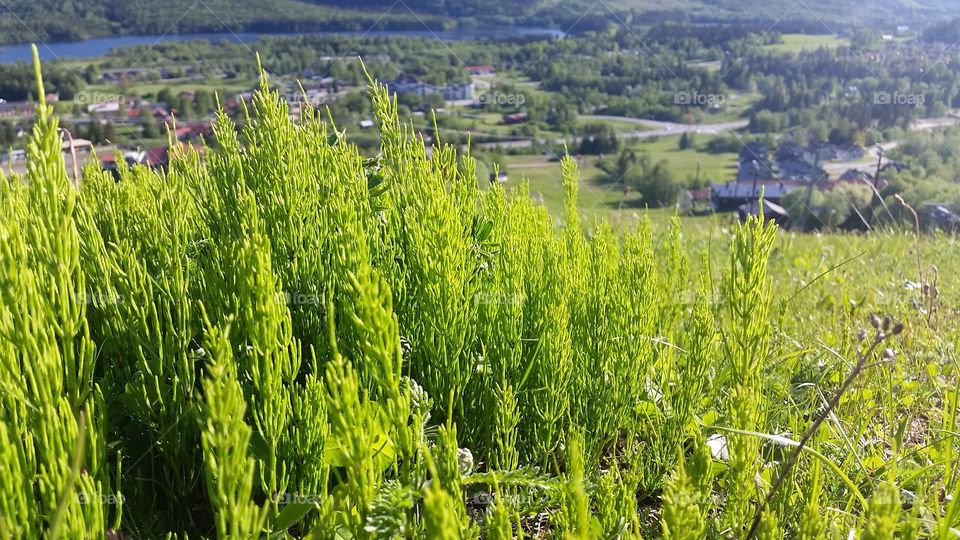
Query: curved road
x=653, y=129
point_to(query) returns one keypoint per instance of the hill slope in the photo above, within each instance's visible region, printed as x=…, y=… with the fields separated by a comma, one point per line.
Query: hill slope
x=52, y=20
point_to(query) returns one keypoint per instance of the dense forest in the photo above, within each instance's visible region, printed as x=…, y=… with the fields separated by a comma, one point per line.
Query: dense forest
x=47, y=20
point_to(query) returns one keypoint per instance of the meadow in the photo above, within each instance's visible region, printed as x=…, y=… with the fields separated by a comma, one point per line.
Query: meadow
x=794, y=43
x=282, y=338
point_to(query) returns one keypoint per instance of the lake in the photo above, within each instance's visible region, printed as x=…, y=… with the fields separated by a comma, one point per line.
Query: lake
x=92, y=48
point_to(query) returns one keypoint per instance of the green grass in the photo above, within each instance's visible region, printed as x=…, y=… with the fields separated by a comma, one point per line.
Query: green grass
x=792, y=43
x=174, y=85
x=683, y=163
x=620, y=126
x=598, y=197
x=286, y=339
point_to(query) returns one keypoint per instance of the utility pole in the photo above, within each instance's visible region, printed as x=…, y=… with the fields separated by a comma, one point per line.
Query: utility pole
x=876, y=187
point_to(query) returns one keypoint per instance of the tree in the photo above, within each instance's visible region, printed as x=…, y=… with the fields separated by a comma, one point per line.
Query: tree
x=434, y=101
x=687, y=141
x=599, y=138
x=150, y=129
x=655, y=183
x=109, y=134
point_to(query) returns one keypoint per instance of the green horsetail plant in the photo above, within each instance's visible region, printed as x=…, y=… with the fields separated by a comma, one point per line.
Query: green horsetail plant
x=745, y=343
x=229, y=471
x=379, y=357
x=53, y=412
x=438, y=272
x=358, y=444
x=883, y=513
x=500, y=519
x=811, y=521
x=140, y=279
x=452, y=463
x=573, y=520
x=684, y=514
x=440, y=509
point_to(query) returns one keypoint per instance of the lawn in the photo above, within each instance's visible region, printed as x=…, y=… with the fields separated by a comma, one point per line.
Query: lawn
x=175, y=85
x=792, y=43
x=599, y=197
x=685, y=164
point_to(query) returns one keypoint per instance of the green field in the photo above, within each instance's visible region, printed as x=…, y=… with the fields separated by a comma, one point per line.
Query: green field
x=174, y=85
x=598, y=196
x=684, y=163
x=792, y=43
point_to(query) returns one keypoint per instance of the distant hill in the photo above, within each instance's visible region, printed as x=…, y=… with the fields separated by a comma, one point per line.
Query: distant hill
x=62, y=20
x=820, y=16
x=68, y=20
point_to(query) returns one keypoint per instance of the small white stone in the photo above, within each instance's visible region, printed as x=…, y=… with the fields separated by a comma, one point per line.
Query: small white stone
x=718, y=447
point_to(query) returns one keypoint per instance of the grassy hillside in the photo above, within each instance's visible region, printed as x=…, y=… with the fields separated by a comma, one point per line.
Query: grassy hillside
x=281, y=339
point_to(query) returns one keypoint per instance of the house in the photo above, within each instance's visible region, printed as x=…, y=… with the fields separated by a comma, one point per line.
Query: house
x=754, y=151
x=856, y=176
x=111, y=75
x=13, y=155
x=752, y=169
x=408, y=84
x=800, y=171
x=157, y=158
x=790, y=150
x=16, y=108
x=161, y=156
x=106, y=109
x=192, y=132
x=941, y=217
x=730, y=196
x=771, y=211
x=500, y=178
x=479, y=71
x=76, y=145
x=159, y=113
x=517, y=118
x=695, y=201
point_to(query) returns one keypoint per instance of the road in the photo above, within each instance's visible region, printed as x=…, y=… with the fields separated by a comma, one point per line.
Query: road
x=653, y=129
x=869, y=162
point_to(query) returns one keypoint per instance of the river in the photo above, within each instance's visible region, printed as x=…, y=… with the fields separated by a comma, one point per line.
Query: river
x=93, y=48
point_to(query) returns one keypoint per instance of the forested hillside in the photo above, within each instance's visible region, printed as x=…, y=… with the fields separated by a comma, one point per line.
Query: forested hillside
x=52, y=20
x=49, y=20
